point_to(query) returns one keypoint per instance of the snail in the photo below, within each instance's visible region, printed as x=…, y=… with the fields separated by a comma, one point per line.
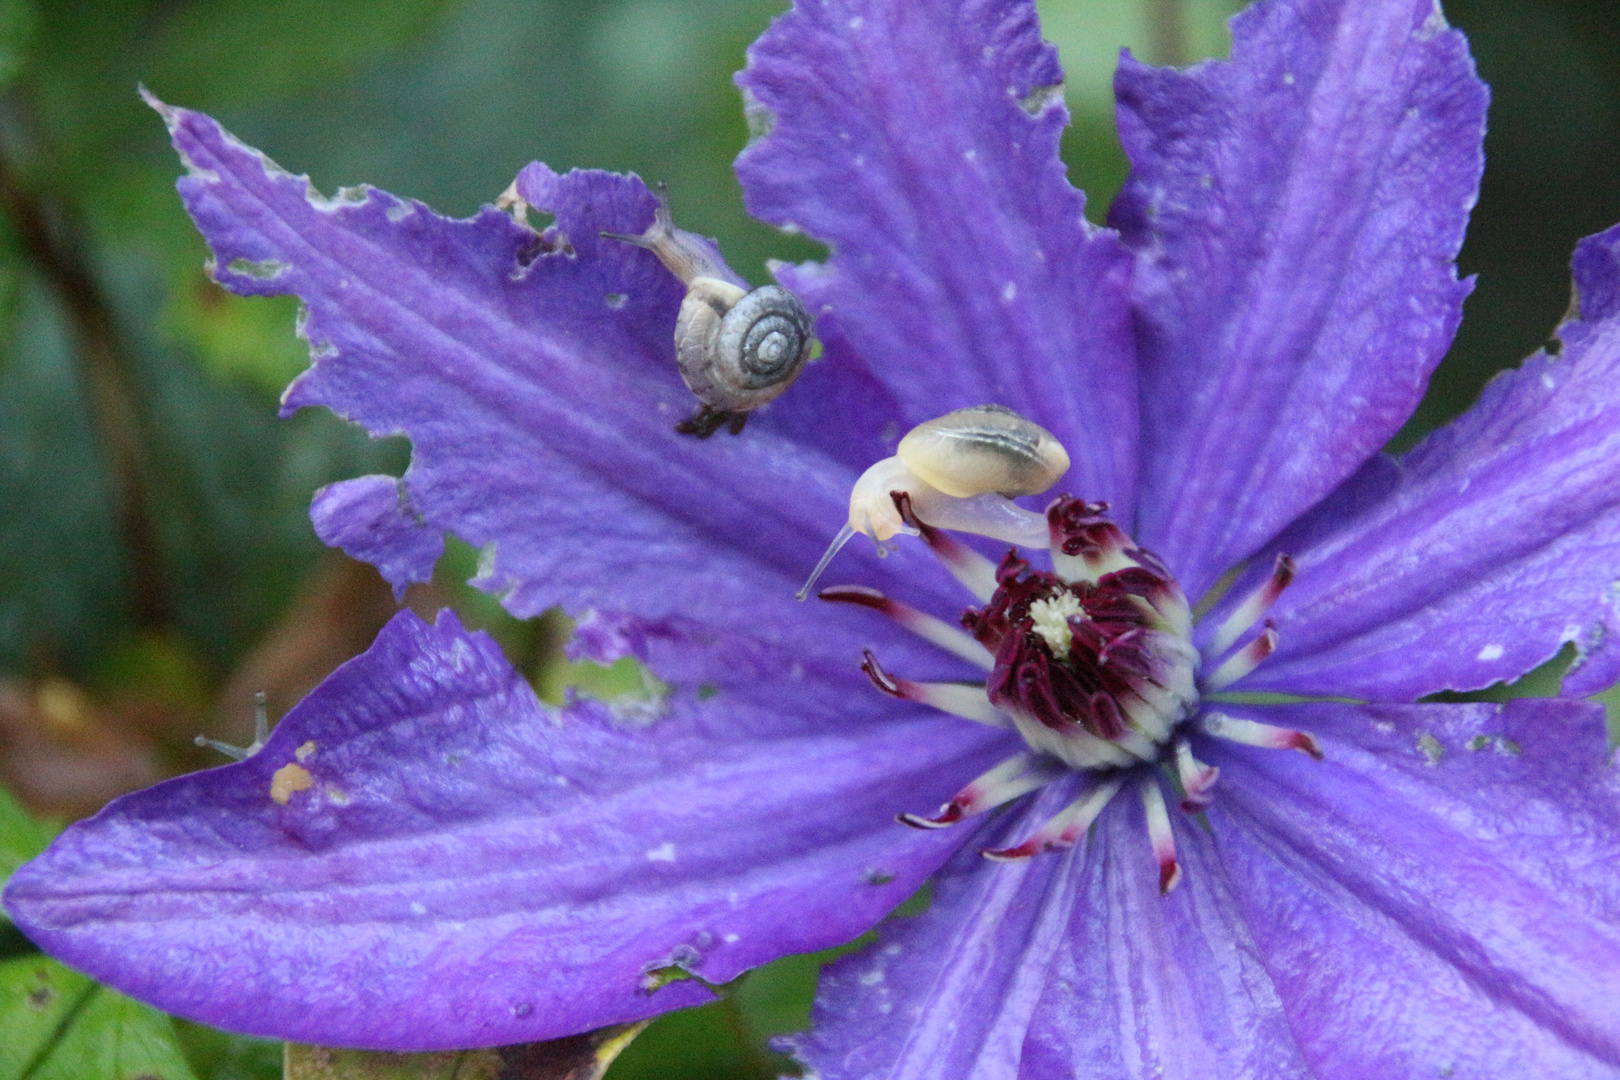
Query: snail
x=961, y=471
x=737, y=348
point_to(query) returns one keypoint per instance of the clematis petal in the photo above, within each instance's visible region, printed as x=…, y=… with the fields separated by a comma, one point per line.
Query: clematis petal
x=371, y=518
x=1295, y=214
x=1159, y=986
x=920, y=141
x=1488, y=547
x=535, y=375
x=424, y=857
x=1437, y=896
x=947, y=995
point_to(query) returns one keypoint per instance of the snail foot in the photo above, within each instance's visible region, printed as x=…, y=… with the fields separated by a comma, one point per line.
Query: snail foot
x=708, y=420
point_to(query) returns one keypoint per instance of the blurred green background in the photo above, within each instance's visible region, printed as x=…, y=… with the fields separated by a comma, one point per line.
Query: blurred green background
x=156, y=561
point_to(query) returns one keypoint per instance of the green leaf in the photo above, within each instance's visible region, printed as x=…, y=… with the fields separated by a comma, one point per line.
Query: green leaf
x=1610, y=700
x=59, y=1025
x=579, y=1057
x=21, y=837
x=321, y=1063
x=222, y=1055
x=236, y=337
x=37, y=998
x=225, y=52
x=17, y=21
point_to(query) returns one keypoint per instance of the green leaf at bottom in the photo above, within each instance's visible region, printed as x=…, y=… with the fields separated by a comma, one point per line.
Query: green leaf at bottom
x=59, y=1025
x=579, y=1057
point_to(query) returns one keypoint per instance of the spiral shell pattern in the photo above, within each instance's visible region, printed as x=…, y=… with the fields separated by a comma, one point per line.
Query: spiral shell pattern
x=739, y=350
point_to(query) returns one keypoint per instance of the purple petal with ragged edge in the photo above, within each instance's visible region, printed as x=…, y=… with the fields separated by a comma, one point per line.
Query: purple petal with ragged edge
x=371, y=519
x=920, y=142
x=465, y=867
x=1437, y=897
x=1295, y=214
x=1163, y=987
x=1486, y=548
x=948, y=994
x=538, y=184
x=537, y=382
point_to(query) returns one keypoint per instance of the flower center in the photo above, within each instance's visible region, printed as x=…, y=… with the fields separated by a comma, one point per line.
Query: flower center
x=1049, y=617
x=1091, y=663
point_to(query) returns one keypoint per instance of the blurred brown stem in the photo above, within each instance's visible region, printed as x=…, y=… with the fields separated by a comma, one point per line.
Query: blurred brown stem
x=1167, y=29
x=53, y=245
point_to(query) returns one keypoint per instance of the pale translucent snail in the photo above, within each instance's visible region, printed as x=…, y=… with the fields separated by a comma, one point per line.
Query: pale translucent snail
x=961, y=472
x=737, y=348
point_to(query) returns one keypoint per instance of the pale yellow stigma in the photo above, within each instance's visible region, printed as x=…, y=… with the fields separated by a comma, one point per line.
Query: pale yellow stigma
x=1051, y=617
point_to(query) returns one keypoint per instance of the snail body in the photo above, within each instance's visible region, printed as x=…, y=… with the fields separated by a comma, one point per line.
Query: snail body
x=737, y=348
x=960, y=471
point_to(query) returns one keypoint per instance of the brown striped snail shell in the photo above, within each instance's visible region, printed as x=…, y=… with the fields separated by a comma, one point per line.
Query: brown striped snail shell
x=737, y=348
x=981, y=449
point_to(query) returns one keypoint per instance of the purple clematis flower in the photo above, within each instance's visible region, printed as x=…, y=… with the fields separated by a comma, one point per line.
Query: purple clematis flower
x=425, y=856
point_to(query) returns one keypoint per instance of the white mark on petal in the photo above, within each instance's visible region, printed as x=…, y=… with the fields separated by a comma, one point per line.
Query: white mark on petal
x=1434, y=25
x=856, y=23
x=418, y=908
x=1009, y=292
x=731, y=939
x=1490, y=652
x=665, y=852
x=760, y=117
x=1042, y=98
x=1288, y=78
x=258, y=269
x=345, y=196
x=1430, y=747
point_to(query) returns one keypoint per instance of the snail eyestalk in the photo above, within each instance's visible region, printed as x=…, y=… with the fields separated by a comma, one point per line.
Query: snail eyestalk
x=261, y=733
x=844, y=536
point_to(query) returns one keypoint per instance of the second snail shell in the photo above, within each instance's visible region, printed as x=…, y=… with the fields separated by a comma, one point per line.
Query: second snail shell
x=982, y=449
x=737, y=349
